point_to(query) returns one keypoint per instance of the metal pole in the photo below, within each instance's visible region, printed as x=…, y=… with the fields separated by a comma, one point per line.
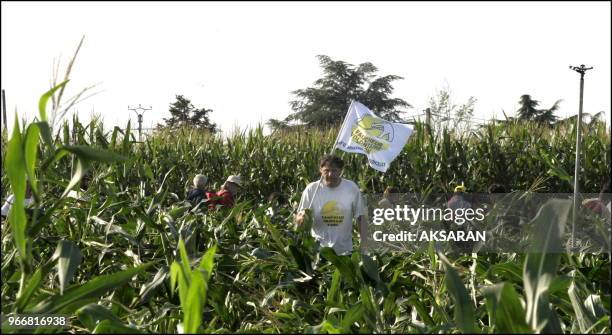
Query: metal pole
x=4, y=120
x=139, y=127
x=582, y=69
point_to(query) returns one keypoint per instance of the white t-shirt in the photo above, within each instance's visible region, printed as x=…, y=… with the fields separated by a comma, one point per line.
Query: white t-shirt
x=334, y=209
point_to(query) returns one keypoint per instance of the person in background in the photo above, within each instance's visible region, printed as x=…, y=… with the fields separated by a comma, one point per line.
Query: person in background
x=29, y=199
x=458, y=200
x=199, y=190
x=226, y=195
x=459, y=203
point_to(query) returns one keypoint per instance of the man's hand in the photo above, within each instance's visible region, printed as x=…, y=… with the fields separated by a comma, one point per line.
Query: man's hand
x=300, y=217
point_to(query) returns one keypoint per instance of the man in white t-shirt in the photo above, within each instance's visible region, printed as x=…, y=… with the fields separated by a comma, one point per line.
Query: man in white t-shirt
x=334, y=203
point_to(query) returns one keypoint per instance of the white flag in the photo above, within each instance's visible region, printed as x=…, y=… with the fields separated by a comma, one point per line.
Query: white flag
x=365, y=133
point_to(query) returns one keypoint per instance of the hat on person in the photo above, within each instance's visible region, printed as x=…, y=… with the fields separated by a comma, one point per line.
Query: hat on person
x=234, y=179
x=460, y=188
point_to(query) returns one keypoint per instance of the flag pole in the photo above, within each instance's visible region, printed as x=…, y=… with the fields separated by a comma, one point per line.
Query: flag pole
x=341, y=127
x=332, y=152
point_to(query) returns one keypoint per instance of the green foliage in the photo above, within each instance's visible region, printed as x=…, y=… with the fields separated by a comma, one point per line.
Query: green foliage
x=325, y=104
x=446, y=114
x=130, y=256
x=184, y=114
x=528, y=111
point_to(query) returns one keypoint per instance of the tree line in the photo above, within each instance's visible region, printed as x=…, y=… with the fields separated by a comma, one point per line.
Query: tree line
x=324, y=104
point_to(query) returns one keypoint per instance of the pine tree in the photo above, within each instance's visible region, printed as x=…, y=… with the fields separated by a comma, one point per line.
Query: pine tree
x=183, y=113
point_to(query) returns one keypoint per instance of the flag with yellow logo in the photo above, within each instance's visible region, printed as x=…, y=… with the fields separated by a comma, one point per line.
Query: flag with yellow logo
x=365, y=133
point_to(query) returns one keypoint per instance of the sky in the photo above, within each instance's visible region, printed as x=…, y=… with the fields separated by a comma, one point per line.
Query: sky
x=242, y=60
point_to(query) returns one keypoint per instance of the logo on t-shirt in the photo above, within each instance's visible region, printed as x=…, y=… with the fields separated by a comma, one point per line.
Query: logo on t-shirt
x=332, y=214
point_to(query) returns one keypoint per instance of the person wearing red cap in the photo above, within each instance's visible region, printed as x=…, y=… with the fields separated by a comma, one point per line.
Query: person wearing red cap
x=225, y=196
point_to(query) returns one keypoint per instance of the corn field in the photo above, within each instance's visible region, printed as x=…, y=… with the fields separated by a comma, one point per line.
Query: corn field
x=130, y=256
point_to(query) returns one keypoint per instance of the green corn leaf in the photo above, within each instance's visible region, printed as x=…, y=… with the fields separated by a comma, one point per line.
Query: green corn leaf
x=175, y=273
x=334, y=289
x=507, y=271
x=14, y=166
x=147, y=290
x=177, y=276
x=343, y=264
x=93, y=288
x=79, y=172
x=58, y=154
x=208, y=262
x=505, y=310
x=298, y=256
x=589, y=309
x=542, y=262
x=370, y=311
x=92, y=314
x=42, y=103
x=195, y=301
x=45, y=132
x=370, y=267
x=113, y=327
x=184, y=260
x=88, y=153
x=32, y=286
x=353, y=315
x=126, y=138
x=464, y=311
x=31, y=146
x=34, y=283
x=69, y=258
x=415, y=301
x=554, y=168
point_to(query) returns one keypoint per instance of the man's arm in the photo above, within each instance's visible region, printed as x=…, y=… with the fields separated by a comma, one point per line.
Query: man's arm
x=362, y=222
x=301, y=211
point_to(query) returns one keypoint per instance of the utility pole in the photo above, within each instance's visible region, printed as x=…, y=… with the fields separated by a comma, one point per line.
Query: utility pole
x=4, y=120
x=135, y=109
x=582, y=69
x=428, y=117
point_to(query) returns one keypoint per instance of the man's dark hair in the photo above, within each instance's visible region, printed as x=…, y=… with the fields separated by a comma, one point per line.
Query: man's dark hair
x=331, y=160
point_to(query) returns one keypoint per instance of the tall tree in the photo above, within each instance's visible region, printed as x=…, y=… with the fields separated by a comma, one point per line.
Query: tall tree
x=183, y=113
x=528, y=110
x=326, y=102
